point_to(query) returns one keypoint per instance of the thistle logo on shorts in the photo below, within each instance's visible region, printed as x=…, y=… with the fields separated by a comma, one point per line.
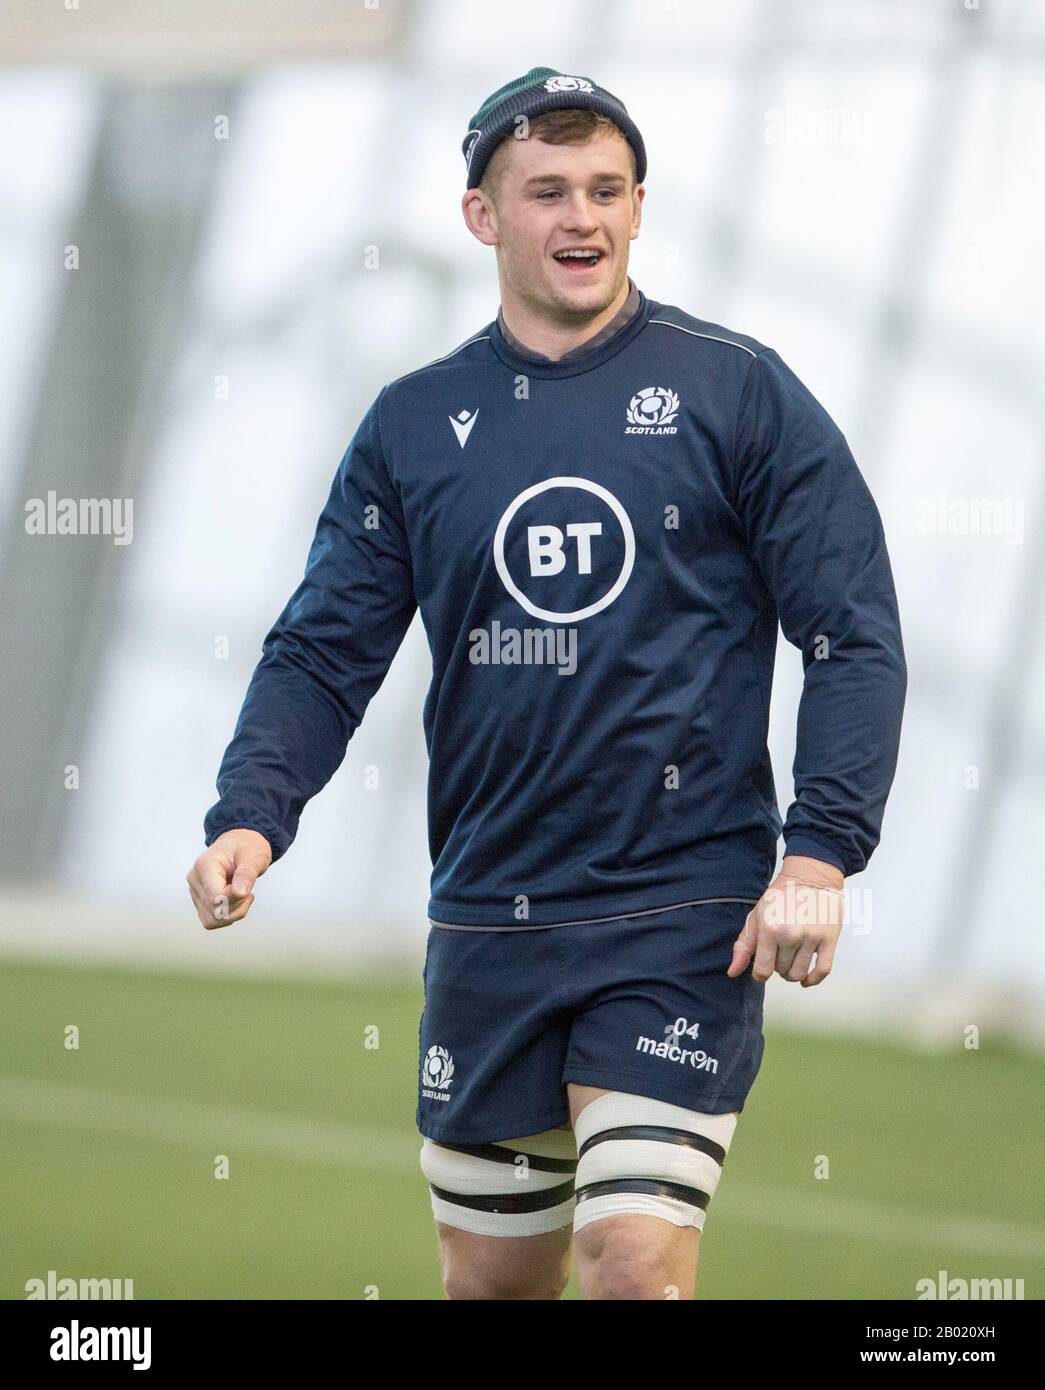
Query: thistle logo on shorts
x=651, y=411
x=437, y=1073
x=568, y=84
x=564, y=549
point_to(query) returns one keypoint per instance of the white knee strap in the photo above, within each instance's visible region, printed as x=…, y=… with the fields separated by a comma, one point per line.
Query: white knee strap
x=514, y=1187
x=648, y=1158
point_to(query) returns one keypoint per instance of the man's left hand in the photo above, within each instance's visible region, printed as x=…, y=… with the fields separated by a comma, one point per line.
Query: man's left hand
x=800, y=914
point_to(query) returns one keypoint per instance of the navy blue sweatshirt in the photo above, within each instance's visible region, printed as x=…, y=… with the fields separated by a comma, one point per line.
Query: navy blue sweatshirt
x=601, y=550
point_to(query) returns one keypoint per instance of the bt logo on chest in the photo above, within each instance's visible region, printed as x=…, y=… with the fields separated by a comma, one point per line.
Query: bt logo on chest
x=575, y=550
x=546, y=546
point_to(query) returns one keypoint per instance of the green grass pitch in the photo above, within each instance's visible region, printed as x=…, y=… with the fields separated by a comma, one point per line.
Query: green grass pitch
x=107, y=1152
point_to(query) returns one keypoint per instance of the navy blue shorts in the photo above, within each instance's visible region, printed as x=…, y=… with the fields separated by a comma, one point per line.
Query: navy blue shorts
x=639, y=1004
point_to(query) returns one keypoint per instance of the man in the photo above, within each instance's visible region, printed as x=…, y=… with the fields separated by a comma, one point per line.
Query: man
x=602, y=507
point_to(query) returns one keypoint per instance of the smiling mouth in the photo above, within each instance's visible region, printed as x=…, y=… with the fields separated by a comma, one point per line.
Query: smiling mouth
x=579, y=260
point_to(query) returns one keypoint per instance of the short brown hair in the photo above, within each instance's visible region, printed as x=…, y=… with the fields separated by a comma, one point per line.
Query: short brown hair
x=570, y=125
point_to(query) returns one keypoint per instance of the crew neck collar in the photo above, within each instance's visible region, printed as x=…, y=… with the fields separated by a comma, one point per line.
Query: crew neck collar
x=606, y=343
x=619, y=319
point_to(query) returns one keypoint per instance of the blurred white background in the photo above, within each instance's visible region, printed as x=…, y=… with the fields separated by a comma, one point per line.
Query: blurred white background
x=856, y=183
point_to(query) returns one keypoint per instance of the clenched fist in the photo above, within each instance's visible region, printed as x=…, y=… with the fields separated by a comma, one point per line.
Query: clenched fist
x=221, y=882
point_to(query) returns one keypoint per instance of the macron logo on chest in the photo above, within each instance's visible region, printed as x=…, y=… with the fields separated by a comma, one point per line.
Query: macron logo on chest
x=462, y=423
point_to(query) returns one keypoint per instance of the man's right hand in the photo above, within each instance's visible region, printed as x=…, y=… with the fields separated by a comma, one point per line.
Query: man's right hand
x=221, y=882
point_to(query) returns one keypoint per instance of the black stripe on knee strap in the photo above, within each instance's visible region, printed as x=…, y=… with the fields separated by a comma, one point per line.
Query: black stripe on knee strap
x=662, y=1134
x=692, y=1196
x=509, y=1202
x=494, y=1152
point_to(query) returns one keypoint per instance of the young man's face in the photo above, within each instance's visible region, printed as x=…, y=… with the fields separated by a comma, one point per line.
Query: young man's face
x=554, y=198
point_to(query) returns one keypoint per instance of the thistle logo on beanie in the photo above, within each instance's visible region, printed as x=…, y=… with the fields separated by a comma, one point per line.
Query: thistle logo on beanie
x=541, y=90
x=568, y=84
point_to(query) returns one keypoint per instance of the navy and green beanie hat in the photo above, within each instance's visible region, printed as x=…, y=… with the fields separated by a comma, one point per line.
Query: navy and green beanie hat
x=541, y=90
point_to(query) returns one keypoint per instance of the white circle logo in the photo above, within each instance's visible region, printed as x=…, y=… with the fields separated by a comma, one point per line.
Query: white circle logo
x=625, y=570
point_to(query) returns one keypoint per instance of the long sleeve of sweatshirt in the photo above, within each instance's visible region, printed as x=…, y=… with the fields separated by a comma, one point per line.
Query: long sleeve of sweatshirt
x=326, y=655
x=816, y=535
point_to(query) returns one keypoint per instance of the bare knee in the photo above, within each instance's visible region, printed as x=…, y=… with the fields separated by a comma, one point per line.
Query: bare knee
x=495, y=1267
x=634, y=1258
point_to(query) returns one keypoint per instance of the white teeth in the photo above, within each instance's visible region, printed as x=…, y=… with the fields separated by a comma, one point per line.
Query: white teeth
x=577, y=255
